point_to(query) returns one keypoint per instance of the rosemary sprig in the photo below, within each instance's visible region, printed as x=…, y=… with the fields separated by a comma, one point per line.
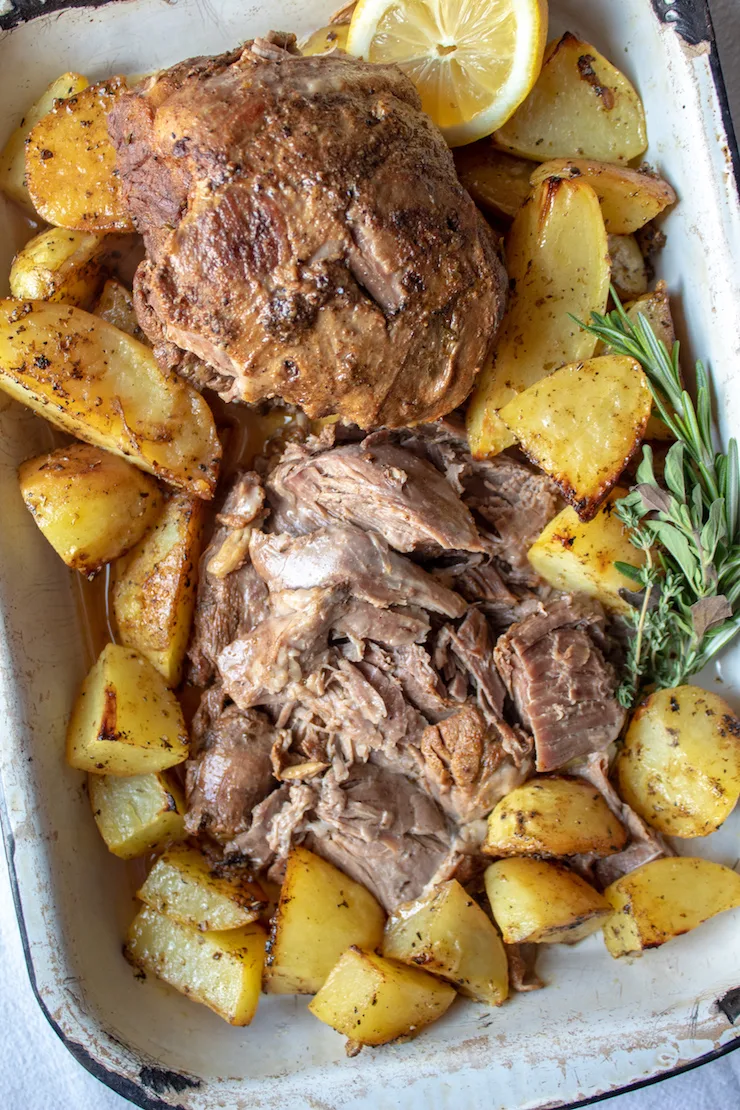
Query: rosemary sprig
x=687, y=602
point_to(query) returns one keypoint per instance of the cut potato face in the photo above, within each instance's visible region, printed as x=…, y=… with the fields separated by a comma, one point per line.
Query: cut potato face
x=116, y=306
x=582, y=425
x=60, y=265
x=446, y=932
x=99, y=384
x=13, y=156
x=154, y=587
x=137, y=814
x=496, y=181
x=580, y=107
x=90, y=505
x=71, y=163
x=373, y=1000
x=629, y=198
x=578, y=556
x=629, y=272
x=680, y=764
x=558, y=265
x=183, y=885
x=553, y=816
x=664, y=899
x=321, y=913
x=125, y=721
x=541, y=901
x=223, y=970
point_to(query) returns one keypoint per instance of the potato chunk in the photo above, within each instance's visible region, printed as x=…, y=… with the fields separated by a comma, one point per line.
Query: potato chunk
x=90, y=505
x=578, y=556
x=553, y=816
x=154, y=587
x=558, y=265
x=60, y=265
x=542, y=901
x=680, y=764
x=581, y=106
x=629, y=198
x=373, y=1000
x=223, y=970
x=496, y=181
x=582, y=425
x=13, y=156
x=664, y=899
x=99, y=384
x=116, y=306
x=137, y=814
x=71, y=162
x=326, y=39
x=629, y=272
x=125, y=721
x=183, y=884
x=446, y=932
x=321, y=912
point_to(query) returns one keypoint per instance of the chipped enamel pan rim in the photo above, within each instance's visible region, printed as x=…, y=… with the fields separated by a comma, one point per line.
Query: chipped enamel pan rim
x=601, y=1026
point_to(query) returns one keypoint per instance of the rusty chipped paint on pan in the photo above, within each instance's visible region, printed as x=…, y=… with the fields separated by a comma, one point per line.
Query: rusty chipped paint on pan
x=600, y=1025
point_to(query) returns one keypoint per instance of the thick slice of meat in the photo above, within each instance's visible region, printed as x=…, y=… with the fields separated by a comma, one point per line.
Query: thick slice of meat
x=307, y=235
x=378, y=487
x=563, y=688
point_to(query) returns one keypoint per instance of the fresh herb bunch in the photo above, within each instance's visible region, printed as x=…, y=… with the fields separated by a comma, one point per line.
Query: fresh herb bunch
x=686, y=604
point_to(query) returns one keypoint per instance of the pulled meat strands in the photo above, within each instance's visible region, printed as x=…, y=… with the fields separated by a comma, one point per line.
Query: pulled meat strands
x=307, y=236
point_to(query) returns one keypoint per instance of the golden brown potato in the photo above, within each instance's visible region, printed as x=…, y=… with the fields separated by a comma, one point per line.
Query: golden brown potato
x=629, y=273
x=578, y=556
x=60, y=265
x=553, y=816
x=137, y=814
x=125, y=721
x=656, y=308
x=496, y=181
x=326, y=39
x=321, y=913
x=582, y=425
x=90, y=505
x=373, y=1000
x=542, y=901
x=680, y=764
x=664, y=899
x=71, y=162
x=116, y=306
x=154, y=587
x=629, y=198
x=13, y=156
x=183, y=885
x=446, y=932
x=223, y=970
x=558, y=264
x=580, y=107
x=99, y=384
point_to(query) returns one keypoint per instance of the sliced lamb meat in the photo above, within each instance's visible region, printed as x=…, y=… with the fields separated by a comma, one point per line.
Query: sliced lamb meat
x=563, y=688
x=277, y=823
x=522, y=972
x=393, y=628
x=380, y=488
x=420, y=682
x=473, y=651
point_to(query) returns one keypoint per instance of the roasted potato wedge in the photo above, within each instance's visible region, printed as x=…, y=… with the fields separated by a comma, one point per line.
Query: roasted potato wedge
x=71, y=163
x=183, y=885
x=558, y=264
x=13, y=156
x=223, y=970
x=582, y=425
x=553, y=816
x=321, y=913
x=373, y=1000
x=664, y=899
x=629, y=198
x=496, y=181
x=656, y=308
x=116, y=305
x=543, y=902
x=629, y=272
x=578, y=556
x=137, y=814
x=125, y=720
x=680, y=764
x=580, y=107
x=99, y=384
x=59, y=265
x=446, y=932
x=90, y=505
x=326, y=39
x=154, y=587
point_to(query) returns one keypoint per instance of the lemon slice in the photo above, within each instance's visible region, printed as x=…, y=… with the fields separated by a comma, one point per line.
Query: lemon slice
x=473, y=61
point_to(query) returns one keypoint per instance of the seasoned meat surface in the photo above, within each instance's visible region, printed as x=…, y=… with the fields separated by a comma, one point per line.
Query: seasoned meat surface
x=306, y=235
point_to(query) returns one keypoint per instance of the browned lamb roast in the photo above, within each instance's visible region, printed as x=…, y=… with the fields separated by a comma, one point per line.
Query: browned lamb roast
x=306, y=235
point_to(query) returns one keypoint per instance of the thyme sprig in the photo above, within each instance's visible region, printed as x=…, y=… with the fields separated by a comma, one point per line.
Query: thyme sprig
x=686, y=605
